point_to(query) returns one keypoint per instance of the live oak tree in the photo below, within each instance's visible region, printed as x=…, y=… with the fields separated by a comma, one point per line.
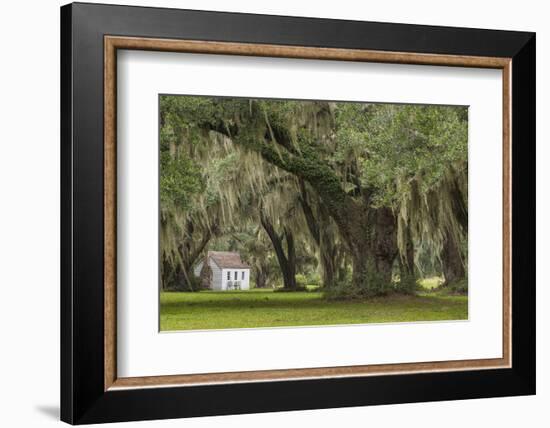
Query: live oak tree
x=371, y=170
x=324, y=234
x=428, y=189
x=183, y=234
x=198, y=198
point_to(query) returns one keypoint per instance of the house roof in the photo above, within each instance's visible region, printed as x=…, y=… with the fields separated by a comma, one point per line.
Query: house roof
x=227, y=259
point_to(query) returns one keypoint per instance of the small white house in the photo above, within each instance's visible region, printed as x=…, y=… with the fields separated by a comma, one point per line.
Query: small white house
x=224, y=270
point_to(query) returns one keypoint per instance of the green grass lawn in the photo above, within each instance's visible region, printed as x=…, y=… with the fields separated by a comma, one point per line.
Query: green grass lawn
x=265, y=308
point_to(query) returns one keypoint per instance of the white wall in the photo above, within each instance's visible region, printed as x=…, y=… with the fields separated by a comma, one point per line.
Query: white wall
x=29, y=219
x=244, y=282
x=217, y=276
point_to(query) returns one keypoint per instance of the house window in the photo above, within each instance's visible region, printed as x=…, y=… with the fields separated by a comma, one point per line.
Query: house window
x=228, y=275
x=242, y=276
x=235, y=275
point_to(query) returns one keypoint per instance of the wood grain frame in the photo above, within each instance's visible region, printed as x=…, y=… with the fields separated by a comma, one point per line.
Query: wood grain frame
x=113, y=43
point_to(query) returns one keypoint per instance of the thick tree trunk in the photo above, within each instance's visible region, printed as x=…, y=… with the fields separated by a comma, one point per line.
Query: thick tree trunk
x=287, y=262
x=342, y=265
x=328, y=267
x=166, y=277
x=407, y=281
x=184, y=278
x=290, y=272
x=451, y=254
x=451, y=258
x=190, y=251
x=318, y=223
x=385, y=245
x=373, y=249
x=360, y=272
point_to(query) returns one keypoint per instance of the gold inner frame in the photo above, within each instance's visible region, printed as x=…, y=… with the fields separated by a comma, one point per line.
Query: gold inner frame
x=113, y=43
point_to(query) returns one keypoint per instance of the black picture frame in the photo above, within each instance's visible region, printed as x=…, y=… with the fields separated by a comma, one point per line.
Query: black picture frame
x=83, y=399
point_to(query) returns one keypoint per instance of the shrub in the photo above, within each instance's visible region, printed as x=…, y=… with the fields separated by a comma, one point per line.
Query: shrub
x=457, y=287
x=301, y=284
x=194, y=284
x=301, y=281
x=407, y=285
x=313, y=278
x=346, y=292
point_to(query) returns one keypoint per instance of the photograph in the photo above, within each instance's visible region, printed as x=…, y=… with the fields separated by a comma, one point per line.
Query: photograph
x=294, y=213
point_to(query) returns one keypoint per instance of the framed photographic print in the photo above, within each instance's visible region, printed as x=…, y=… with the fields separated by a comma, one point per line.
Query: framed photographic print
x=265, y=213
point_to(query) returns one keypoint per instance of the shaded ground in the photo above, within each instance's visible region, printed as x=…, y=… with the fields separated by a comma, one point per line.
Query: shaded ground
x=265, y=308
